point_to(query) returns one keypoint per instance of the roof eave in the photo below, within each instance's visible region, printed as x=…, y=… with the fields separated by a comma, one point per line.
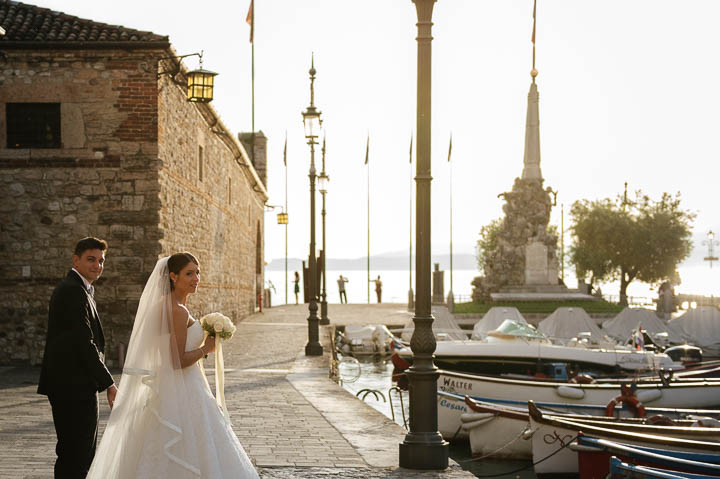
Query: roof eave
x=80, y=45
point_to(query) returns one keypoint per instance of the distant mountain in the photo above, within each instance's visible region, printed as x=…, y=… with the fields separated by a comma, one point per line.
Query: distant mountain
x=385, y=261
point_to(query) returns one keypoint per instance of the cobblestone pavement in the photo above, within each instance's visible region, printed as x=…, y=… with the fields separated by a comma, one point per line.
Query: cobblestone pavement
x=291, y=418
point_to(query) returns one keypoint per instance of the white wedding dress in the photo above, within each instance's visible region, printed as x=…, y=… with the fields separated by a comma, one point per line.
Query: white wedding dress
x=166, y=423
x=218, y=450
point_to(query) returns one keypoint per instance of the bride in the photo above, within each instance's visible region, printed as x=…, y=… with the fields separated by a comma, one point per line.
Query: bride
x=165, y=422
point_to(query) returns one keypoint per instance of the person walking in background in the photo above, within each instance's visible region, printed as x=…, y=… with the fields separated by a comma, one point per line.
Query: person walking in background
x=378, y=289
x=297, y=286
x=341, y=288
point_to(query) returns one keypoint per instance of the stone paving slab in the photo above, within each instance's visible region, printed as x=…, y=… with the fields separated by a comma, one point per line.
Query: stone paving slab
x=293, y=421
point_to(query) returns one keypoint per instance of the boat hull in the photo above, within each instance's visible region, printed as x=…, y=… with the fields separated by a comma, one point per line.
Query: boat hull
x=695, y=394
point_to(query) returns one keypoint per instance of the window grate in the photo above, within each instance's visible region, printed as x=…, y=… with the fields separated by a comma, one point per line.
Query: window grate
x=33, y=125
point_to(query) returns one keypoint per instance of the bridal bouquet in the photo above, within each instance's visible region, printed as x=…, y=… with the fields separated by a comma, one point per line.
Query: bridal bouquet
x=217, y=324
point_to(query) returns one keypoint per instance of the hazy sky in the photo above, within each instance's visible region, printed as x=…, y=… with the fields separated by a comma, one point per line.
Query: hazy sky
x=628, y=92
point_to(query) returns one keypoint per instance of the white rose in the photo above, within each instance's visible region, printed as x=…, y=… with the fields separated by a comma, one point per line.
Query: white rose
x=218, y=327
x=227, y=324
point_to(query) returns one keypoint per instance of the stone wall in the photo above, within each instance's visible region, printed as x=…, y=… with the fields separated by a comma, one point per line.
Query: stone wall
x=127, y=171
x=102, y=181
x=211, y=204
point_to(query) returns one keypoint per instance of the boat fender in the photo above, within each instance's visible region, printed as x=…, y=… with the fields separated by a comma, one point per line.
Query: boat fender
x=630, y=401
x=660, y=420
x=706, y=422
x=570, y=392
x=648, y=395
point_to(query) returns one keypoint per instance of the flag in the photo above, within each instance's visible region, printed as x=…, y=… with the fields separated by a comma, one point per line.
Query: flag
x=250, y=19
x=285, y=151
x=534, y=11
x=411, y=139
x=450, y=149
x=367, y=150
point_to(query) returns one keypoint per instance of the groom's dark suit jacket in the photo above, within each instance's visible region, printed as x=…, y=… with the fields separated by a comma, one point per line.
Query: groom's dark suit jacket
x=72, y=365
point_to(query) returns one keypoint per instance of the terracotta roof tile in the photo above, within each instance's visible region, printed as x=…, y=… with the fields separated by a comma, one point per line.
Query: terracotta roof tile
x=29, y=23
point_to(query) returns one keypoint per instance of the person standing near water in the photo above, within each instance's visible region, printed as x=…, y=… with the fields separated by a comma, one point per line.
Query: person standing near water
x=341, y=288
x=378, y=289
x=297, y=286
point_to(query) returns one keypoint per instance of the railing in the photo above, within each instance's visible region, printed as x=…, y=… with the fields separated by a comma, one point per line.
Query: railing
x=638, y=301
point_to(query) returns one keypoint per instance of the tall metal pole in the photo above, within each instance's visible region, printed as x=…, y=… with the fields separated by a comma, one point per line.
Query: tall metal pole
x=367, y=163
x=451, y=223
x=562, y=242
x=323, y=303
x=423, y=447
x=411, y=296
x=313, y=347
x=286, y=224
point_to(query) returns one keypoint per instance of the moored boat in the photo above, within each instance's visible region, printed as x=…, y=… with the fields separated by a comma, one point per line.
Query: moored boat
x=552, y=438
x=454, y=413
x=594, y=456
x=703, y=393
x=517, y=348
x=501, y=430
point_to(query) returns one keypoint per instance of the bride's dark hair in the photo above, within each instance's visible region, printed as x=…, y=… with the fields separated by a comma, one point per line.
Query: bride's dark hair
x=177, y=262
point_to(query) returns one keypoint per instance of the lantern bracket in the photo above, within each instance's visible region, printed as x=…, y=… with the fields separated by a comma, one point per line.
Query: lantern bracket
x=174, y=72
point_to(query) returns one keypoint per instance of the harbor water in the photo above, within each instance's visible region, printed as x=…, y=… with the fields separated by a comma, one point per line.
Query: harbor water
x=371, y=380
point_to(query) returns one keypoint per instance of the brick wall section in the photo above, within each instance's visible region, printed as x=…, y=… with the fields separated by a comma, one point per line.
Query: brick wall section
x=103, y=181
x=218, y=218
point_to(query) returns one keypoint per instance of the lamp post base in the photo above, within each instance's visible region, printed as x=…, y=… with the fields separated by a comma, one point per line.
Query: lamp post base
x=425, y=456
x=313, y=349
x=323, y=314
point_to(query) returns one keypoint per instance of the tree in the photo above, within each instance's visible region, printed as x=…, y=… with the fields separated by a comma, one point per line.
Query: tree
x=641, y=240
x=487, y=242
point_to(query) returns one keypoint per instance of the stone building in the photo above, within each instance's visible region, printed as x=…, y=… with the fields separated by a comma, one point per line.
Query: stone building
x=97, y=138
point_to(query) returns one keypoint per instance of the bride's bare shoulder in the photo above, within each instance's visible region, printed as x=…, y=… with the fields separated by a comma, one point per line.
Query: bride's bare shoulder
x=180, y=313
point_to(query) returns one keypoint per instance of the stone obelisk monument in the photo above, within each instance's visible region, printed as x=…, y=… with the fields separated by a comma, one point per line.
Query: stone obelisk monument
x=524, y=264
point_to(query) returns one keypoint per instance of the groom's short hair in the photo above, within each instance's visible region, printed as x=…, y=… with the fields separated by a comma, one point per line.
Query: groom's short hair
x=90, y=243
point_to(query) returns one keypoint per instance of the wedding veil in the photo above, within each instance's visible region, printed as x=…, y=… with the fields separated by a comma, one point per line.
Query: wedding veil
x=150, y=418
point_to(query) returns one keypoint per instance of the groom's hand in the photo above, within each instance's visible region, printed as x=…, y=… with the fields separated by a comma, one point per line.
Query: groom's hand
x=111, y=393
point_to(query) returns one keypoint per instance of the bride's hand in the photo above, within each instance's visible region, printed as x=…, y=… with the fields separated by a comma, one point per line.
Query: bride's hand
x=209, y=344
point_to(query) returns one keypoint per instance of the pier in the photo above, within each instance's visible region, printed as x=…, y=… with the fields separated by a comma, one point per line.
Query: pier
x=291, y=418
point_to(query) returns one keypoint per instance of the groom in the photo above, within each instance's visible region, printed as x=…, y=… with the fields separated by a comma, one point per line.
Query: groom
x=73, y=371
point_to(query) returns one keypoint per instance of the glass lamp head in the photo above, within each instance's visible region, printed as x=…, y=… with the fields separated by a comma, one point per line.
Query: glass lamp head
x=200, y=84
x=323, y=181
x=312, y=122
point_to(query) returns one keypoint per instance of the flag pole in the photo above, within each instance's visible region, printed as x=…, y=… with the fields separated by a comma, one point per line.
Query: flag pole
x=451, y=220
x=286, y=224
x=251, y=20
x=411, y=299
x=367, y=154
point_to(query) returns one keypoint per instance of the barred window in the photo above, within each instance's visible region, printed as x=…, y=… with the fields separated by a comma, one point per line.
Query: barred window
x=33, y=125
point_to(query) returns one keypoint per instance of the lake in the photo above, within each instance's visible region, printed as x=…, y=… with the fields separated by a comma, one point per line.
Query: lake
x=395, y=285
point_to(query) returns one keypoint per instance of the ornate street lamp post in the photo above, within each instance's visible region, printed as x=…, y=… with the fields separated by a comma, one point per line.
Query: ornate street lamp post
x=323, y=179
x=423, y=447
x=312, y=122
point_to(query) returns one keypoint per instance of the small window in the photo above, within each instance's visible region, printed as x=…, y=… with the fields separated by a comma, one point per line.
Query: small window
x=200, y=163
x=33, y=125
